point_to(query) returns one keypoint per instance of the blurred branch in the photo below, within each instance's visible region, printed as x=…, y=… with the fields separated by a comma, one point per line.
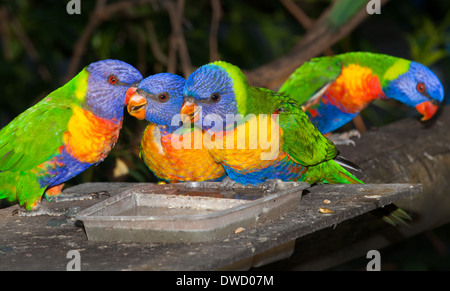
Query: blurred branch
x=82, y=42
x=24, y=40
x=102, y=12
x=138, y=36
x=298, y=13
x=177, y=40
x=315, y=41
x=120, y=6
x=154, y=43
x=213, y=33
x=173, y=45
x=301, y=17
x=4, y=33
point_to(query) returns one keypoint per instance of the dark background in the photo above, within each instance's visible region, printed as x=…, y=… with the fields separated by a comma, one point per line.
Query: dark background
x=42, y=46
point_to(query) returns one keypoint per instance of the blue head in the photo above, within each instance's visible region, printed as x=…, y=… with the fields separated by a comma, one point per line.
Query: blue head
x=419, y=87
x=107, y=83
x=210, y=94
x=157, y=98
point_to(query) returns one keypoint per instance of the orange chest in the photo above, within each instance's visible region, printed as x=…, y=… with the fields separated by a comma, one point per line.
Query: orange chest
x=177, y=158
x=89, y=139
x=253, y=144
x=354, y=89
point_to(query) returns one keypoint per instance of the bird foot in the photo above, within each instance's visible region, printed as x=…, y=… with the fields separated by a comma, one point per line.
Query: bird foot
x=344, y=138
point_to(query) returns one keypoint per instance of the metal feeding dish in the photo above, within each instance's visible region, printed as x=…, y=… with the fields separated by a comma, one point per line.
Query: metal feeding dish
x=188, y=212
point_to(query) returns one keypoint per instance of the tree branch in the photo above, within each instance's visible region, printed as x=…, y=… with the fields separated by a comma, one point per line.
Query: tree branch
x=82, y=42
x=102, y=12
x=177, y=40
x=4, y=33
x=298, y=13
x=29, y=48
x=154, y=43
x=214, y=30
x=318, y=38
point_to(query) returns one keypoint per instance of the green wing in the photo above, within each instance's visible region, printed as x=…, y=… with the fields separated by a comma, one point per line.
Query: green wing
x=34, y=136
x=307, y=146
x=303, y=142
x=311, y=79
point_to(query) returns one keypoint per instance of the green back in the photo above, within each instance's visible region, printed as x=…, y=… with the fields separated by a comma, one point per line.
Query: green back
x=35, y=135
x=313, y=77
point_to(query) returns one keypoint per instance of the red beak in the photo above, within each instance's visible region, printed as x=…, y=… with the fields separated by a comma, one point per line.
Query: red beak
x=427, y=109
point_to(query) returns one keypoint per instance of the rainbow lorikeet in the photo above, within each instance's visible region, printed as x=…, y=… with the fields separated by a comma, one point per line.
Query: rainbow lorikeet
x=240, y=120
x=172, y=153
x=333, y=90
x=71, y=129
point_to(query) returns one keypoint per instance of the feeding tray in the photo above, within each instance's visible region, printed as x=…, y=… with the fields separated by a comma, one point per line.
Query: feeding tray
x=188, y=212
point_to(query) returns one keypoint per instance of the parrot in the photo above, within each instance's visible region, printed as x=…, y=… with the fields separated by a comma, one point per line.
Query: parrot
x=238, y=119
x=218, y=92
x=158, y=100
x=69, y=130
x=334, y=89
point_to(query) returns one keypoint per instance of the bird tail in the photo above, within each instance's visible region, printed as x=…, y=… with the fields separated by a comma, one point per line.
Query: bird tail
x=347, y=164
x=393, y=215
x=331, y=172
x=8, y=182
x=20, y=186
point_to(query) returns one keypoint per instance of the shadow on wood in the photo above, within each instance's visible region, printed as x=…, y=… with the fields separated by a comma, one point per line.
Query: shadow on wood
x=408, y=151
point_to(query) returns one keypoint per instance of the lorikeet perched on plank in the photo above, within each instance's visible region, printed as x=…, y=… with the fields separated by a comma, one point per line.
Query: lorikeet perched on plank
x=240, y=118
x=172, y=153
x=333, y=90
x=259, y=135
x=71, y=129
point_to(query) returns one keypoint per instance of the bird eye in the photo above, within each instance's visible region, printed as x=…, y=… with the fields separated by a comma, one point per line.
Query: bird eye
x=112, y=79
x=421, y=87
x=215, y=97
x=163, y=97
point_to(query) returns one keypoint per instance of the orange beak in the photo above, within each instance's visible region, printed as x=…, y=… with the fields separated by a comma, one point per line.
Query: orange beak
x=189, y=112
x=427, y=109
x=136, y=105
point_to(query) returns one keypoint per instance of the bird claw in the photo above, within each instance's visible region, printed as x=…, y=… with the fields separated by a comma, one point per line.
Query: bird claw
x=344, y=138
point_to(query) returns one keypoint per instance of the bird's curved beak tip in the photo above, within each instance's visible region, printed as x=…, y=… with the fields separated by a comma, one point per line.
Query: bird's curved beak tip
x=427, y=109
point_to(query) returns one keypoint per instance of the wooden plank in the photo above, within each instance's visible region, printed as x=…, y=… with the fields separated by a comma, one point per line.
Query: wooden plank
x=42, y=243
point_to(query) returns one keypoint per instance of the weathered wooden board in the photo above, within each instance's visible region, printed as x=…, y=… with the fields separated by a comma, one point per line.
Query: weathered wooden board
x=42, y=243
